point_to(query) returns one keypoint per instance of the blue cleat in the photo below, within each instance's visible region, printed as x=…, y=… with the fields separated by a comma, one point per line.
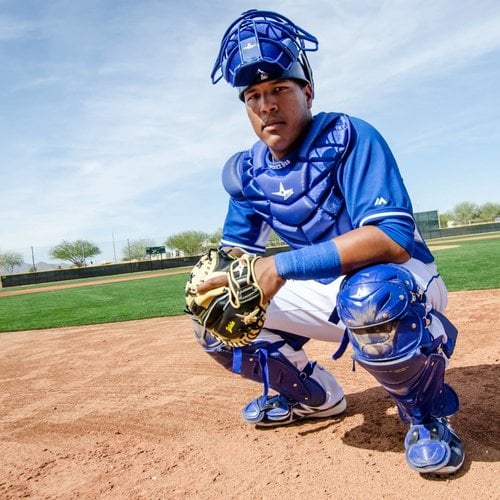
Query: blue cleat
x=434, y=448
x=272, y=411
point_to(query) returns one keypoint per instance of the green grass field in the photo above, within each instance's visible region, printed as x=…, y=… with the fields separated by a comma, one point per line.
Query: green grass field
x=473, y=265
x=86, y=305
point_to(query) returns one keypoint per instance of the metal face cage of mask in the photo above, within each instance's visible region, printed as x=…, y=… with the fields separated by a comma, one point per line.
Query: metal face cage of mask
x=260, y=46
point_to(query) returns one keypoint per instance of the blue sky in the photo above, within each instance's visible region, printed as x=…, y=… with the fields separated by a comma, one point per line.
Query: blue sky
x=110, y=128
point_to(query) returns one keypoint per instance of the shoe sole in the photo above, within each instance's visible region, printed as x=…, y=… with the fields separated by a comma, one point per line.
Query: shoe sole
x=330, y=412
x=327, y=412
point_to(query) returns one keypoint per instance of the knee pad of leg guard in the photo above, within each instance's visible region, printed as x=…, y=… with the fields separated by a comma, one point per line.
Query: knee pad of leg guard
x=263, y=362
x=388, y=329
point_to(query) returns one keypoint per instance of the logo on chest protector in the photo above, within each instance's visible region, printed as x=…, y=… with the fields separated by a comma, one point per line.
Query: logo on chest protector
x=285, y=193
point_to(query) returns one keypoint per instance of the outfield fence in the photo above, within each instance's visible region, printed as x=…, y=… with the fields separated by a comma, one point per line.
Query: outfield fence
x=76, y=273
x=450, y=232
x=158, y=264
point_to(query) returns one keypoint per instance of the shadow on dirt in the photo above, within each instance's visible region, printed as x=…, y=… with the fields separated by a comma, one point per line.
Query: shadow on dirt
x=477, y=422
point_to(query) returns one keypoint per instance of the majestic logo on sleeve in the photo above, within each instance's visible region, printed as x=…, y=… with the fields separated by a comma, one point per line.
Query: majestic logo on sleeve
x=380, y=201
x=285, y=193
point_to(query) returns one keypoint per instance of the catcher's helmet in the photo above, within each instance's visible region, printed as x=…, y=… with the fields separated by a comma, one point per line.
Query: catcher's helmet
x=262, y=45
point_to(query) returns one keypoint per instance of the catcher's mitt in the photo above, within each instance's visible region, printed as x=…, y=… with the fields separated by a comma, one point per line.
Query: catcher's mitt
x=233, y=313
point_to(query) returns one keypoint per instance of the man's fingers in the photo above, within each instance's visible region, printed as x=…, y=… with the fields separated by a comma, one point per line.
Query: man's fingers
x=212, y=283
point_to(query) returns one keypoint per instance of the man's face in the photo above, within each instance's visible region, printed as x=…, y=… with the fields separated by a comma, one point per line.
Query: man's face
x=280, y=112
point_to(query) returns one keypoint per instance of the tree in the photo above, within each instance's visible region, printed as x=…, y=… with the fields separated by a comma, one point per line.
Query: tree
x=9, y=260
x=466, y=212
x=275, y=240
x=136, y=249
x=489, y=211
x=76, y=252
x=445, y=218
x=189, y=242
x=213, y=239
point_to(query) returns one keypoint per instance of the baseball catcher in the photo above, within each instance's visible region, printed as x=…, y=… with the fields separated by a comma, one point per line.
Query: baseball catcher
x=357, y=271
x=233, y=311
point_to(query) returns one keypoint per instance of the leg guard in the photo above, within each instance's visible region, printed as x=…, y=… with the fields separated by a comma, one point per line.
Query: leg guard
x=262, y=361
x=406, y=349
x=390, y=331
x=307, y=392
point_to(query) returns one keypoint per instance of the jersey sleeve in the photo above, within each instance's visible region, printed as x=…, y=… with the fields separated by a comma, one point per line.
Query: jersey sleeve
x=243, y=227
x=373, y=188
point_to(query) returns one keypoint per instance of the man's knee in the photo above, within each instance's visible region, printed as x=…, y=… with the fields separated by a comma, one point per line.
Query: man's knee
x=391, y=332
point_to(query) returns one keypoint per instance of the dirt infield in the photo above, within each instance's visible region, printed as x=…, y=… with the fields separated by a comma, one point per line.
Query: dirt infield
x=136, y=410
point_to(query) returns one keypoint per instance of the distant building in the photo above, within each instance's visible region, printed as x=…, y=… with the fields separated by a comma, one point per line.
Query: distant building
x=427, y=222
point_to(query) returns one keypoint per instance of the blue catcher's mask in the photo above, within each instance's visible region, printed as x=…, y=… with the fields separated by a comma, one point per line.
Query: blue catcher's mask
x=262, y=45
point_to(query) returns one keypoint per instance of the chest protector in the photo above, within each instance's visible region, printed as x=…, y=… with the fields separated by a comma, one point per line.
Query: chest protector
x=299, y=197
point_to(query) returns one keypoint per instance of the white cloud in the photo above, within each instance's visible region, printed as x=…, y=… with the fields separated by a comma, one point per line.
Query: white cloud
x=399, y=44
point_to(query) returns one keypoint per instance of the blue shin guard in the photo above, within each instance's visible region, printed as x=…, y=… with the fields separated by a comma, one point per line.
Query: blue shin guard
x=310, y=392
x=264, y=363
x=390, y=332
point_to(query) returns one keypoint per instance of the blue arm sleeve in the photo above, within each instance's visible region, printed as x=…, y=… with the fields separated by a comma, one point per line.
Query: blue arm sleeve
x=243, y=228
x=400, y=232
x=373, y=188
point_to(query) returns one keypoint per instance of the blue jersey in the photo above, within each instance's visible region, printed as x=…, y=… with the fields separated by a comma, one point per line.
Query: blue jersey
x=342, y=176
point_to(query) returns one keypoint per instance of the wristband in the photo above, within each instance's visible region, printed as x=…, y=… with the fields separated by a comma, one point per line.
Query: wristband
x=312, y=262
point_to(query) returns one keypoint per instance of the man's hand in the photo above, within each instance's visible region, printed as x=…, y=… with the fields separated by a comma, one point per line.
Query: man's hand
x=268, y=278
x=265, y=273
x=224, y=295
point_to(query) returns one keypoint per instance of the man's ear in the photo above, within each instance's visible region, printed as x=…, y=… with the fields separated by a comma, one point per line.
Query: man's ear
x=308, y=92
